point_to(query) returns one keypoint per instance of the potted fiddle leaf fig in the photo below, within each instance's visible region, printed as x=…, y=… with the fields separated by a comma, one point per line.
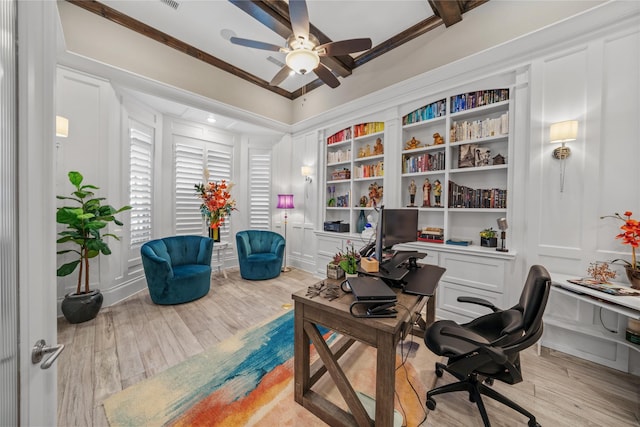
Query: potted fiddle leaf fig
x=85, y=220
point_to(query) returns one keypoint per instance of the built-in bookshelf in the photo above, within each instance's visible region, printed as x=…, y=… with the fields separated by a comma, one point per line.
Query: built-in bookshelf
x=355, y=172
x=454, y=154
x=456, y=162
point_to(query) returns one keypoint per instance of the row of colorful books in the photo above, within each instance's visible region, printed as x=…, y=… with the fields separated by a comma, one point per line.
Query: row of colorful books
x=367, y=171
x=431, y=111
x=461, y=196
x=367, y=128
x=342, y=135
x=470, y=100
x=423, y=162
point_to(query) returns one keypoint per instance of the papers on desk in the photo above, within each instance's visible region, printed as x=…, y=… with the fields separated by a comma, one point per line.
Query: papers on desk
x=607, y=288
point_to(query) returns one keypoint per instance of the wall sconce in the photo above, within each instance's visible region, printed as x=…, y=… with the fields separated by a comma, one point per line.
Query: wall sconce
x=306, y=172
x=563, y=132
x=62, y=127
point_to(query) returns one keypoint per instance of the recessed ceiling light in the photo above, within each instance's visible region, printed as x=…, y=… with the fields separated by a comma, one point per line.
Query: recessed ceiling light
x=211, y=119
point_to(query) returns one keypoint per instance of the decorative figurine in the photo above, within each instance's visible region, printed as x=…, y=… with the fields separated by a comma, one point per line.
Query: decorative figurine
x=437, y=139
x=367, y=151
x=360, y=152
x=363, y=201
x=378, y=148
x=426, y=193
x=375, y=195
x=412, y=143
x=498, y=159
x=437, y=192
x=412, y=192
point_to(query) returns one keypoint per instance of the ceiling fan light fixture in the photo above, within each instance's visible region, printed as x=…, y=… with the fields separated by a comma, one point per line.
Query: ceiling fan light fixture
x=302, y=60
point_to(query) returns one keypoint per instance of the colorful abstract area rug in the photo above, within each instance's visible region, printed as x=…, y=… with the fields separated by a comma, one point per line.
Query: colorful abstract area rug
x=247, y=380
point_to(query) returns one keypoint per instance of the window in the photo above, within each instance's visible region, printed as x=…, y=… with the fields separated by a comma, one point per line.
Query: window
x=191, y=158
x=189, y=168
x=140, y=182
x=260, y=188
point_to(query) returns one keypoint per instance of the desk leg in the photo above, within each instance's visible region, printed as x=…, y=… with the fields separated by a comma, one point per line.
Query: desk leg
x=431, y=310
x=385, y=380
x=301, y=355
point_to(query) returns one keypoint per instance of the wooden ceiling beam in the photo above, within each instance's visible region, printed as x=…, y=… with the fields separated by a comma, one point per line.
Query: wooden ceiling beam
x=148, y=31
x=449, y=11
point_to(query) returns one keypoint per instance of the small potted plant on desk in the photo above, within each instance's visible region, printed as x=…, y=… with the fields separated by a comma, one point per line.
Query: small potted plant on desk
x=84, y=222
x=348, y=260
x=488, y=238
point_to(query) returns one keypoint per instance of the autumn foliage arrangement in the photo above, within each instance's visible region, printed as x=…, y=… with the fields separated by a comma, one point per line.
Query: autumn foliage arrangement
x=217, y=203
x=630, y=235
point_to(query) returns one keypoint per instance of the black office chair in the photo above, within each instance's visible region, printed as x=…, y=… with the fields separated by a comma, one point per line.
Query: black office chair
x=489, y=347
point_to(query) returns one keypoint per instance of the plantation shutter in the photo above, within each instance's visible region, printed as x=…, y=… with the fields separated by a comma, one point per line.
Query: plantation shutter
x=218, y=164
x=189, y=168
x=140, y=183
x=259, y=188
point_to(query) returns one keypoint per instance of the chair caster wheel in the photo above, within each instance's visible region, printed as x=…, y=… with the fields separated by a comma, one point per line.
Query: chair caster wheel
x=431, y=404
x=439, y=372
x=533, y=423
x=488, y=381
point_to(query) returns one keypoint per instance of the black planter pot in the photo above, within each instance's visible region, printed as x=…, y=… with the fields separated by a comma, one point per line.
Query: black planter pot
x=78, y=308
x=491, y=242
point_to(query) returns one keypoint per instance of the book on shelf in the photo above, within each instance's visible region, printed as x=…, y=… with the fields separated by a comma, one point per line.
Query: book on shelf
x=424, y=162
x=342, y=135
x=476, y=129
x=428, y=112
x=461, y=196
x=459, y=242
x=466, y=155
x=431, y=235
x=470, y=100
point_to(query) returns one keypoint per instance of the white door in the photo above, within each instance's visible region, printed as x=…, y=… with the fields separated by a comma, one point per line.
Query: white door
x=35, y=203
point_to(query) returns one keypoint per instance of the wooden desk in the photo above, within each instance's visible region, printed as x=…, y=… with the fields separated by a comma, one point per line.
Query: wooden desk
x=381, y=333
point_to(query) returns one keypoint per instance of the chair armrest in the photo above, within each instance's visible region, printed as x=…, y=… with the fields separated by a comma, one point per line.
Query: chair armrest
x=205, y=251
x=483, y=344
x=160, y=264
x=479, y=301
x=277, y=247
x=243, y=246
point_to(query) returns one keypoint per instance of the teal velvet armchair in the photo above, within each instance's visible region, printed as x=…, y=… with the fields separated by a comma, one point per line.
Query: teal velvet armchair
x=178, y=268
x=260, y=254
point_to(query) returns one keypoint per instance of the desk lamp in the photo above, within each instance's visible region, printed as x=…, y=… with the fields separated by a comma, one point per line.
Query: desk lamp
x=285, y=201
x=502, y=225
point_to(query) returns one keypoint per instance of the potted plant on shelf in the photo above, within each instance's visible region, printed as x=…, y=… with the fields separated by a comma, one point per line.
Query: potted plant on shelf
x=488, y=238
x=630, y=236
x=84, y=221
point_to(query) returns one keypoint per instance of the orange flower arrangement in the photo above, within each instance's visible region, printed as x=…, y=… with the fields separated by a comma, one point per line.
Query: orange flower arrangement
x=216, y=202
x=630, y=236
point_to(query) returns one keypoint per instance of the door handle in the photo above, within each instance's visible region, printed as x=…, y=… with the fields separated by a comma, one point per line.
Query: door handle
x=40, y=349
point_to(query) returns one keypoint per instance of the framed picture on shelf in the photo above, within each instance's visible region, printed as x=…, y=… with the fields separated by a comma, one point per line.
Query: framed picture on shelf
x=467, y=155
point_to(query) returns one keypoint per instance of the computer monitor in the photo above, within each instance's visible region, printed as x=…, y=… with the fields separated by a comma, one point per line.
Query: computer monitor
x=395, y=226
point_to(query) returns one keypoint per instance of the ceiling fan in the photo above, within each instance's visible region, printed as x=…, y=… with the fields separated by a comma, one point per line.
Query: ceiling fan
x=304, y=49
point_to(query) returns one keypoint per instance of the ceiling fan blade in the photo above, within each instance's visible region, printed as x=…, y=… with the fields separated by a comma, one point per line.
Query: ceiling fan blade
x=281, y=76
x=343, y=47
x=299, y=16
x=326, y=76
x=256, y=44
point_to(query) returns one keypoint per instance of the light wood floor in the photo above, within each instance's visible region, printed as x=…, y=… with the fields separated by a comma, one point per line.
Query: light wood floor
x=136, y=339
